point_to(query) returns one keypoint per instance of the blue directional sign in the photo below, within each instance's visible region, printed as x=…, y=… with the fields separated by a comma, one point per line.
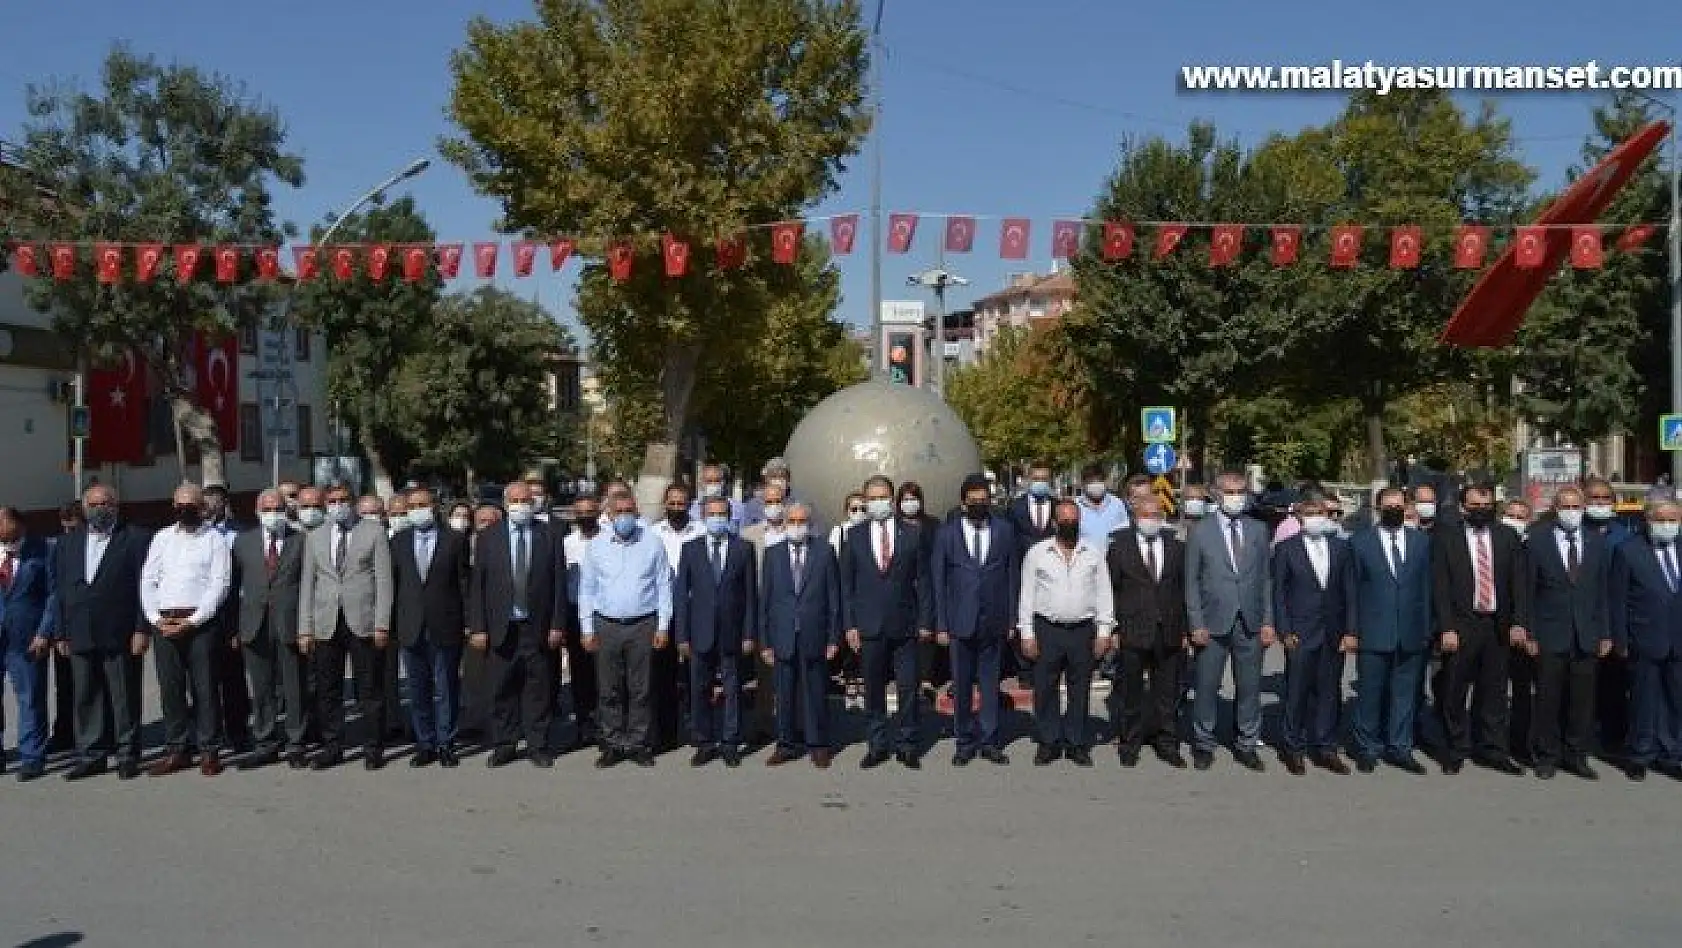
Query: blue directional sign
x=1159, y=459
x=1670, y=432
x=1159, y=425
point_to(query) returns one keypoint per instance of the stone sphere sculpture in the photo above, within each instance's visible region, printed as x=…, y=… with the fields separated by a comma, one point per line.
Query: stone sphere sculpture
x=906, y=433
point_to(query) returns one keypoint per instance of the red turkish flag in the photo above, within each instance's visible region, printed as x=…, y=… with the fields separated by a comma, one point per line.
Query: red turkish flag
x=1346, y=246
x=216, y=372
x=1168, y=237
x=484, y=259
x=1013, y=238
x=449, y=260
x=1118, y=240
x=1405, y=246
x=1587, y=252
x=268, y=264
x=842, y=230
x=64, y=261
x=676, y=253
x=525, y=257
x=307, y=261
x=187, y=262
x=227, y=264
x=379, y=261
x=1633, y=237
x=1532, y=247
x=28, y=264
x=731, y=252
x=414, y=264
x=1471, y=242
x=559, y=251
x=960, y=234
x=117, y=412
x=146, y=261
x=1065, y=239
x=1287, y=241
x=344, y=263
x=1225, y=240
x=110, y=258
x=902, y=229
x=619, y=259
x=785, y=241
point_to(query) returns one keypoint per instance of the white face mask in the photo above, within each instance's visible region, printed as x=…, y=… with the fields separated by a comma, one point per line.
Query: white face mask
x=1569, y=519
x=1096, y=490
x=310, y=517
x=1427, y=510
x=520, y=513
x=1599, y=511
x=797, y=532
x=1196, y=507
x=1317, y=526
x=910, y=507
x=1515, y=523
x=1664, y=532
x=1152, y=526
x=1233, y=504
x=710, y=489
x=879, y=508
x=775, y=512
x=460, y=524
x=855, y=519
x=273, y=521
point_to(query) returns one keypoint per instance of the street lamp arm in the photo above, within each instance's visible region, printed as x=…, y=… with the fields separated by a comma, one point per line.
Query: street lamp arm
x=411, y=170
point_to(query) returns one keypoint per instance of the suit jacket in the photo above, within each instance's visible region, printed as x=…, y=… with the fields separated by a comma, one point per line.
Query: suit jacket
x=1022, y=518
x=1565, y=614
x=800, y=623
x=266, y=600
x=1150, y=613
x=1644, y=615
x=101, y=612
x=1454, y=583
x=719, y=613
x=1317, y=616
x=358, y=589
x=491, y=590
x=975, y=600
x=895, y=605
x=1217, y=595
x=435, y=604
x=29, y=607
x=1392, y=613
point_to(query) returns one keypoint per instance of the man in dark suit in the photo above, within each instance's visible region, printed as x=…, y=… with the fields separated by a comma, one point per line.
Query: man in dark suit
x=975, y=568
x=268, y=563
x=1566, y=569
x=63, y=677
x=518, y=611
x=1644, y=598
x=1034, y=519
x=28, y=613
x=429, y=573
x=1612, y=678
x=714, y=598
x=1392, y=588
x=1314, y=604
x=800, y=633
x=888, y=606
x=104, y=631
x=1147, y=566
x=1478, y=595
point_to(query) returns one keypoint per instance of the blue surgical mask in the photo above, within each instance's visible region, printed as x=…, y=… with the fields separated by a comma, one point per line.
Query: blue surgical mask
x=341, y=514
x=1664, y=532
x=880, y=508
x=625, y=524
x=1040, y=489
x=718, y=526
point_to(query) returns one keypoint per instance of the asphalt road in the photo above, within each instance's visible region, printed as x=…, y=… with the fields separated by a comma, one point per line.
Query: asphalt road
x=797, y=857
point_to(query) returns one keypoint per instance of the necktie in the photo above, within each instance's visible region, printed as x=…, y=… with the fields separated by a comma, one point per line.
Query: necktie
x=799, y=563
x=1039, y=515
x=6, y=571
x=1395, y=554
x=1571, y=560
x=1667, y=557
x=718, y=559
x=974, y=543
x=1237, y=543
x=885, y=556
x=339, y=548
x=1486, y=575
x=424, y=560
x=271, y=559
x=1150, y=558
x=520, y=567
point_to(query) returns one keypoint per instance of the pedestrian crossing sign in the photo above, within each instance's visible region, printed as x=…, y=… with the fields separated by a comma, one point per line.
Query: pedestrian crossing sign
x=1670, y=432
x=1159, y=425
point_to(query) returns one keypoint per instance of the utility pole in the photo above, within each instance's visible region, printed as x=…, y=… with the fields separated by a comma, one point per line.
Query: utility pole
x=938, y=280
x=878, y=365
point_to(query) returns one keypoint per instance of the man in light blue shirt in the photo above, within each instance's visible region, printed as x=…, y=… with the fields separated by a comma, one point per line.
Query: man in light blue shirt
x=712, y=486
x=1101, y=512
x=625, y=614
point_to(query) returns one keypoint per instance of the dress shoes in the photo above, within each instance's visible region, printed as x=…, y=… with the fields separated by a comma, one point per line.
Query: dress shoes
x=172, y=763
x=1331, y=763
x=1579, y=767
x=703, y=756
x=909, y=760
x=329, y=758
x=1407, y=763
x=1202, y=759
x=995, y=756
x=1172, y=757
x=643, y=757
x=502, y=756
x=296, y=760
x=1453, y=765
x=1294, y=764
x=1636, y=772
x=1367, y=765
x=31, y=770
x=540, y=758
x=262, y=758
x=373, y=758
x=1045, y=755
x=449, y=757
x=1128, y=757
x=1501, y=764
x=1079, y=756
x=732, y=756
x=821, y=758
x=873, y=759
x=780, y=757
x=59, y=743
x=127, y=769
x=609, y=757
x=963, y=758
x=1249, y=759
x=1669, y=768
x=423, y=757
x=210, y=763
x=1546, y=771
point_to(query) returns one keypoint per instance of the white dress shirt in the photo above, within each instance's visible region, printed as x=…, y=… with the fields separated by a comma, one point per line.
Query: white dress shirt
x=576, y=546
x=1564, y=541
x=879, y=529
x=95, y=554
x=975, y=539
x=1320, y=557
x=674, y=539
x=185, y=569
x=1065, y=589
x=1395, y=543
x=1151, y=550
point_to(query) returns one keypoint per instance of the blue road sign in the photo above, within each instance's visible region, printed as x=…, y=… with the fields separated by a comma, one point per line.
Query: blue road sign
x=1670, y=432
x=1159, y=459
x=1159, y=425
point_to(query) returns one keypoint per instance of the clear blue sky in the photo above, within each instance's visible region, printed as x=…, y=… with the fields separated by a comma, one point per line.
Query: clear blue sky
x=991, y=107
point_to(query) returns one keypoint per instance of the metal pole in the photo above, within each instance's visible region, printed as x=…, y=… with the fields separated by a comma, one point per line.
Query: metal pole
x=274, y=440
x=940, y=325
x=879, y=368
x=1675, y=287
x=81, y=394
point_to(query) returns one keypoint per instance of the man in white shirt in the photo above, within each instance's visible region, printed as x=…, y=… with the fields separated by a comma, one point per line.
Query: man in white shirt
x=580, y=665
x=1066, y=613
x=182, y=587
x=670, y=673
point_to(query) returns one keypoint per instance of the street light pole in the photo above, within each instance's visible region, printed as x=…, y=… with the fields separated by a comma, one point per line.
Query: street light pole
x=879, y=368
x=938, y=280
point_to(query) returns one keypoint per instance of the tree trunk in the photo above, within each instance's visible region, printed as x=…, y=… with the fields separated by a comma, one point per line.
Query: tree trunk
x=195, y=424
x=1378, y=460
x=677, y=388
x=371, y=450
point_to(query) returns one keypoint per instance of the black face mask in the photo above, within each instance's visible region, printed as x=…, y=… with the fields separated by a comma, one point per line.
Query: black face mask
x=1068, y=532
x=677, y=518
x=589, y=524
x=1480, y=516
x=1391, y=517
x=189, y=516
x=977, y=512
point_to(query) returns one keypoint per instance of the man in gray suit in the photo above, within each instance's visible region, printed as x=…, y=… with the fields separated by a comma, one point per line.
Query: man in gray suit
x=1229, y=605
x=267, y=562
x=344, y=606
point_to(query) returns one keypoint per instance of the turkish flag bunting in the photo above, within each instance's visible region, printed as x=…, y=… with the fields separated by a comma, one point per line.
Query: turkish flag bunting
x=227, y=264
x=1013, y=238
x=64, y=261
x=1168, y=236
x=1405, y=245
x=28, y=264
x=187, y=262
x=1065, y=238
x=307, y=261
x=117, y=412
x=1471, y=243
x=619, y=258
x=146, y=261
x=484, y=259
x=1587, y=253
x=902, y=229
x=379, y=261
x=960, y=234
x=1633, y=237
x=1346, y=246
x=268, y=264
x=110, y=262
x=559, y=251
x=216, y=370
x=785, y=241
x=731, y=252
x=1225, y=240
x=842, y=230
x=1286, y=242
x=414, y=264
x=449, y=260
x=1118, y=240
x=676, y=253
x=1532, y=247
x=525, y=257
x=344, y=262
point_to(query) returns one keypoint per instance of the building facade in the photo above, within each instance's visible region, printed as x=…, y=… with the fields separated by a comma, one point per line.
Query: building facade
x=1027, y=301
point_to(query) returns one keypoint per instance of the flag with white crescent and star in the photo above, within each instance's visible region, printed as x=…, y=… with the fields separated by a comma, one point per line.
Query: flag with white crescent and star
x=216, y=378
x=116, y=396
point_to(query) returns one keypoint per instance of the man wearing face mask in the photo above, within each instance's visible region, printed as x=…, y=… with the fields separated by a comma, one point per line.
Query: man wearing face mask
x=28, y=614
x=312, y=508
x=1517, y=515
x=231, y=690
x=393, y=520
x=714, y=485
x=1031, y=513
x=580, y=665
x=397, y=515
x=1101, y=513
x=540, y=510
x=267, y=560
x=625, y=610
x=289, y=490
x=1612, y=679
x=1424, y=499
x=429, y=572
x=714, y=601
x=776, y=474
x=182, y=587
x=669, y=674
x=1314, y=603
x=932, y=662
x=1065, y=614
x=1229, y=605
x=1194, y=507
x=1392, y=566
x=800, y=633
x=1147, y=574
x=767, y=533
x=1645, y=599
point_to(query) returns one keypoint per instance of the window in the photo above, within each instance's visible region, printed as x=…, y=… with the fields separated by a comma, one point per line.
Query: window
x=250, y=432
x=248, y=340
x=301, y=345
x=304, y=433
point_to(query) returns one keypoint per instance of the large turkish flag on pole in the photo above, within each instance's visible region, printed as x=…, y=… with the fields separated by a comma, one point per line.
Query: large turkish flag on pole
x=216, y=378
x=117, y=412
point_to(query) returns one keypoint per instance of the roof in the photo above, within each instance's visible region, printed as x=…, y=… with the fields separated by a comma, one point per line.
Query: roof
x=1052, y=285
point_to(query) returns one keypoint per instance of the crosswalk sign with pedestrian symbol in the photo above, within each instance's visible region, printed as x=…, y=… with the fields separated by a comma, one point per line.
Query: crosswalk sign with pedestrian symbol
x=1670, y=432
x=1158, y=425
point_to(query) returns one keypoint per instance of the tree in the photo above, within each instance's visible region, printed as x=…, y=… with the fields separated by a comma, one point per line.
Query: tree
x=168, y=155
x=1012, y=404
x=370, y=328
x=474, y=395
x=628, y=119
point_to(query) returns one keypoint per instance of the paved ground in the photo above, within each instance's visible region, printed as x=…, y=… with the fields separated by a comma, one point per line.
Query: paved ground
x=796, y=857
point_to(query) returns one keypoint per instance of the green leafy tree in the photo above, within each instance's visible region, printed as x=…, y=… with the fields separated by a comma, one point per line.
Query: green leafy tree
x=165, y=154
x=1013, y=405
x=627, y=119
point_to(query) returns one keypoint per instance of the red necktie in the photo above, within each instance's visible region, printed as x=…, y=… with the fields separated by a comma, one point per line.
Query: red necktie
x=272, y=558
x=1486, y=575
x=5, y=572
x=887, y=557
